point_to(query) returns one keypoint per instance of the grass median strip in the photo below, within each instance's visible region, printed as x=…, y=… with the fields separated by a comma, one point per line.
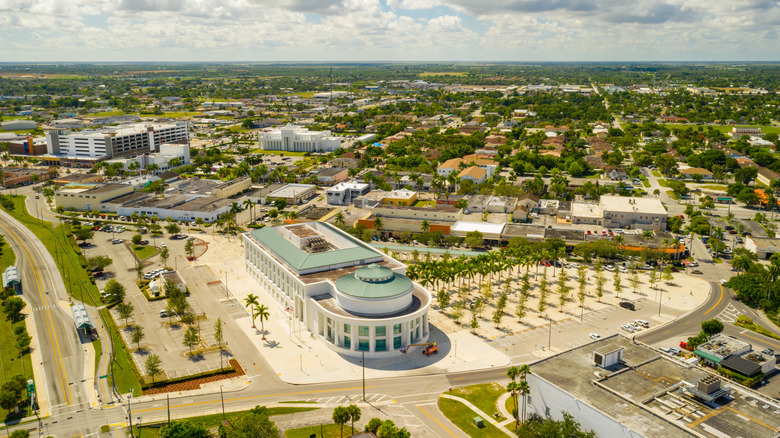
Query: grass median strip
x=214, y=420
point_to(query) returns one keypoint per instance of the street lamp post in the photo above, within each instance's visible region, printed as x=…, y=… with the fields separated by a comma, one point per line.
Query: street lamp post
x=549, y=336
x=364, y=375
x=130, y=411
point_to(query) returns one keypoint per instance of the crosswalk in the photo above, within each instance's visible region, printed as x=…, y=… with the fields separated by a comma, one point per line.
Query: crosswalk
x=39, y=308
x=729, y=314
x=347, y=399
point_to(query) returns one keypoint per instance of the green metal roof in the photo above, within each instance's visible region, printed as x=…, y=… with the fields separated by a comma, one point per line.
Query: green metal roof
x=300, y=260
x=373, y=272
x=708, y=356
x=370, y=286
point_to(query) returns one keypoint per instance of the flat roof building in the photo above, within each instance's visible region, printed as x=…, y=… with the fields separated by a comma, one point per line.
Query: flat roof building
x=294, y=193
x=115, y=142
x=80, y=196
x=346, y=293
x=631, y=212
x=344, y=193
x=617, y=388
x=297, y=139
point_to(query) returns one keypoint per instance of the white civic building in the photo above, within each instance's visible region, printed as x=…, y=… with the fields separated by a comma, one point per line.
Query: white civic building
x=346, y=293
x=294, y=138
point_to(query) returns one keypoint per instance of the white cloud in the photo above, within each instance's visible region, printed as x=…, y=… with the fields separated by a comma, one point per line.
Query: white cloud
x=510, y=30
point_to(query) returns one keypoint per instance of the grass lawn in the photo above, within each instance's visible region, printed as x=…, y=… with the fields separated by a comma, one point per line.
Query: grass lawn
x=461, y=416
x=125, y=378
x=76, y=280
x=306, y=94
x=175, y=114
x=655, y=173
x=328, y=431
x=110, y=113
x=645, y=182
x=144, y=251
x=721, y=187
x=214, y=420
x=483, y=396
x=663, y=183
x=424, y=204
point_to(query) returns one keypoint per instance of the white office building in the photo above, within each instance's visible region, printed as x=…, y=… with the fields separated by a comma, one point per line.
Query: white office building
x=344, y=193
x=294, y=138
x=346, y=293
x=179, y=153
x=115, y=142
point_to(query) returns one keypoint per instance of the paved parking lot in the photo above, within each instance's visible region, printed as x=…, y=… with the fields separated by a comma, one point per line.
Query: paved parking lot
x=208, y=299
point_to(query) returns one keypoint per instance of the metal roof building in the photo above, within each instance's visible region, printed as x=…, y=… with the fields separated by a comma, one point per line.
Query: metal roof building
x=83, y=319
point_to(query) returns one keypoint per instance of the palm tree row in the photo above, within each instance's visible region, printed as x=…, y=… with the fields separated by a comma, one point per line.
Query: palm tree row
x=447, y=271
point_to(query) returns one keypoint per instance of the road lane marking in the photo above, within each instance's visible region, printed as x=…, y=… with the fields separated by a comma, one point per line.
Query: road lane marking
x=58, y=359
x=252, y=398
x=762, y=340
x=437, y=421
x=717, y=302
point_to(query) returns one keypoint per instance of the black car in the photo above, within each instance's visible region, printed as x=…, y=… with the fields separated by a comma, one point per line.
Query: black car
x=144, y=242
x=83, y=245
x=627, y=305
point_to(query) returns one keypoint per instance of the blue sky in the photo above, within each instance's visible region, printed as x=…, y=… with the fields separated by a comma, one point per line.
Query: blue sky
x=389, y=30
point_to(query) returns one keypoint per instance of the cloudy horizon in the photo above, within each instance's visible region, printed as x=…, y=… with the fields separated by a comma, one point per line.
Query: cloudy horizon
x=388, y=30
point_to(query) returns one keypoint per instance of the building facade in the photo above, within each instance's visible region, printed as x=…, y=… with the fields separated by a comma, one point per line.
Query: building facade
x=347, y=294
x=117, y=142
x=297, y=139
x=344, y=193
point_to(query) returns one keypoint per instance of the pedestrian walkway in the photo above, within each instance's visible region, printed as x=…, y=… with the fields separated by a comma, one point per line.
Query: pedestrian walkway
x=479, y=412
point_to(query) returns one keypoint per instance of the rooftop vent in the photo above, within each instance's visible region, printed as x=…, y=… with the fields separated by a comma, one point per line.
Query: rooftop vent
x=709, y=385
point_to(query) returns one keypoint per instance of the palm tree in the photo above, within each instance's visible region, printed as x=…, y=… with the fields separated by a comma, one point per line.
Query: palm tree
x=425, y=226
x=523, y=389
x=340, y=220
x=248, y=203
x=252, y=301
x=263, y=314
x=378, y=223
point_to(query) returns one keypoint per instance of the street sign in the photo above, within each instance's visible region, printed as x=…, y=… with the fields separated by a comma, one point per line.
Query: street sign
x=104, y=376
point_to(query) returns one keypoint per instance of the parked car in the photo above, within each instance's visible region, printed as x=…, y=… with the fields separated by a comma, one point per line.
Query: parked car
x=163, y=245
x=642, y=322
x=696, y=271
x=627, y=305
x=610, y=268
x=144, y=242
x=84, y=245
x=190, y=239
x=163, y=313
x=627, y=328
x=623, y=269
x=98, y=274
x=116, y=241
x=595, y=336
x=768, y=351
x=723, y=281
x=693, y=264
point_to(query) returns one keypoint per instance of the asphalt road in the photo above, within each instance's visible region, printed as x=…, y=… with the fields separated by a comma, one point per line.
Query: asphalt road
x=55, y=337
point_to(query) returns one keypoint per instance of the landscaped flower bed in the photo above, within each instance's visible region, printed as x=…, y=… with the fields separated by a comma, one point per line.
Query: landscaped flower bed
x=194, y=383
